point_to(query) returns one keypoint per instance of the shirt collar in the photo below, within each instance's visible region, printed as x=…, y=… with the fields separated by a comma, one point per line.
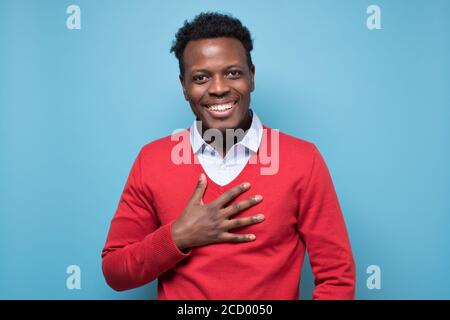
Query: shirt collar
x=251, y=140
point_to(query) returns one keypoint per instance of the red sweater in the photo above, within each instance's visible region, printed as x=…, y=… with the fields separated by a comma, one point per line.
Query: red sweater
x=301, y=212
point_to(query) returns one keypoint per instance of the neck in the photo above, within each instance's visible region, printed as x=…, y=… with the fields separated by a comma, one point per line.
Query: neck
x=229, y=136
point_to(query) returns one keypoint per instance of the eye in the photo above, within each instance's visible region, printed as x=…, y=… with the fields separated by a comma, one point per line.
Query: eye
x=234, y=73
x=199, y=78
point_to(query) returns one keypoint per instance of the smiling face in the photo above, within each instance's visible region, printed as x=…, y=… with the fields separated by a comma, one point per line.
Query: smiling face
x=217, y=82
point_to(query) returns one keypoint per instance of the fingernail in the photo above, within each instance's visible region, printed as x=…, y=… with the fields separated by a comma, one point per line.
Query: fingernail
x=251, y=237
x=258, y=197
x=260, y=216
x=246, y=185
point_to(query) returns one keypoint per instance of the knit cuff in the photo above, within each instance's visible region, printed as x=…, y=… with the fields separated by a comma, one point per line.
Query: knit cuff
x=160, y=250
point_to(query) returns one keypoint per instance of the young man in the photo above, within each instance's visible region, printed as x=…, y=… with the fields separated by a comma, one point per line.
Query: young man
x=242, y=232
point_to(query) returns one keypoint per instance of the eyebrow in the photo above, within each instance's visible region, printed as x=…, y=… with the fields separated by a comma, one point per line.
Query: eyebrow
x=226, y=68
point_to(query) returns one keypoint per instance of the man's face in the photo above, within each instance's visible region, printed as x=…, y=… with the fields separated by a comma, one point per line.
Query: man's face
x=217, y=82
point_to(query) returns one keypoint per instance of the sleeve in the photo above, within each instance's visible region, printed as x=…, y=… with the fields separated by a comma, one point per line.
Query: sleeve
x=322, y=228
x=137, y=248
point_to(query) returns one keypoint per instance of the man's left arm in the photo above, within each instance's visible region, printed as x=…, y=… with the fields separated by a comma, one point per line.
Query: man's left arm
x=322, y=228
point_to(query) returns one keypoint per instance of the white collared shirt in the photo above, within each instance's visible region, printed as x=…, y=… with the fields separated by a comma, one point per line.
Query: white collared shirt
x=224, y=170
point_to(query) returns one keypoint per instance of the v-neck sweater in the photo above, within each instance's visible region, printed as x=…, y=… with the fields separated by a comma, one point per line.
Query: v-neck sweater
x=301, y=209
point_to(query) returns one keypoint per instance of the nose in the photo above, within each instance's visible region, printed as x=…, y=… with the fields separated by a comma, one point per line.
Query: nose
x=218, y=87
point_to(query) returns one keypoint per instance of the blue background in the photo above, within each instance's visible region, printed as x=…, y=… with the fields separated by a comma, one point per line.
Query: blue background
x=77, y=105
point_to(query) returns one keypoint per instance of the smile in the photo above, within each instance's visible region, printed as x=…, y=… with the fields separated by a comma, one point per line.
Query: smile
x=221, y=107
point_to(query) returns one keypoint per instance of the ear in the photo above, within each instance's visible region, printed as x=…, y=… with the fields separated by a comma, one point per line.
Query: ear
x=186, y=96
x=252, y=78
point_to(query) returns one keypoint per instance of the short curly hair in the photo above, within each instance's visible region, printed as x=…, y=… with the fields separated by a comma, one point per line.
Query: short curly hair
x=211, y=25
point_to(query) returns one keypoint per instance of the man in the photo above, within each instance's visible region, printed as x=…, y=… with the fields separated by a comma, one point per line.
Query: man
x=242, y=232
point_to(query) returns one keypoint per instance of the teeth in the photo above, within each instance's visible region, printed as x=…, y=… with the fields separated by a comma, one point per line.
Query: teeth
x=221, y=107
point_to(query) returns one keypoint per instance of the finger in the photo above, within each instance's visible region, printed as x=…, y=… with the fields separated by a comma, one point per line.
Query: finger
x=242, y=222
x=241, y=205
x=229, y=195
x=197, y=196
x=232, y=237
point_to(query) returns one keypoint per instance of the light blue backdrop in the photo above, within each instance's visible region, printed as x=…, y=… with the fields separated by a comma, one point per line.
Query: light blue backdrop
x=77, y=105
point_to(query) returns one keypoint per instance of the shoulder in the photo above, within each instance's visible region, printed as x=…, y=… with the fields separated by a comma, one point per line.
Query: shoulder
x=164, y=145
x=296, y=146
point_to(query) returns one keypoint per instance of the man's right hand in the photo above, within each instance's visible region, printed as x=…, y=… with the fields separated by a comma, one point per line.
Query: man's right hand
x=201, y=224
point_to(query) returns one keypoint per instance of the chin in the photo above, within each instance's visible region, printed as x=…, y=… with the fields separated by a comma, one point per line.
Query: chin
x=230, y=119
x=223, y=124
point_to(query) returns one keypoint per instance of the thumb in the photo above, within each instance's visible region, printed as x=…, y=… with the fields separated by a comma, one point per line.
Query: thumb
x=197, y=196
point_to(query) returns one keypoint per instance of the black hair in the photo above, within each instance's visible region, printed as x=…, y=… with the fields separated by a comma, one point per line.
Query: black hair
x=211, y=25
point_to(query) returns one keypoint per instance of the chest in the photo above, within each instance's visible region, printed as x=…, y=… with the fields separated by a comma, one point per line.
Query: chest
x=280, y=203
